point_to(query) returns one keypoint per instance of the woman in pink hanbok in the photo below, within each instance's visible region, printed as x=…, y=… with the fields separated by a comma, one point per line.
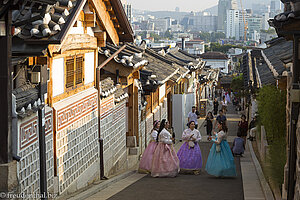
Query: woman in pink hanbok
x=165, y=162
x=146, y=160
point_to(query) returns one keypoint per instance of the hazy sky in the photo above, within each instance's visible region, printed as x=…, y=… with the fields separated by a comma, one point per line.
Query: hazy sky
x=184, y=5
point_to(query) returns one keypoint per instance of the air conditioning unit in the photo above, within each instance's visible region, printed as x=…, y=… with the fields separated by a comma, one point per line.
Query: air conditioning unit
x=35, y=77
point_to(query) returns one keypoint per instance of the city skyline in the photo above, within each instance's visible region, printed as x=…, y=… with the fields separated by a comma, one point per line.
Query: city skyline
x=170, y=5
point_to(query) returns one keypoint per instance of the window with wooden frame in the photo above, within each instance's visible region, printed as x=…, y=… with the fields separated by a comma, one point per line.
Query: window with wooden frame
x=74, y=71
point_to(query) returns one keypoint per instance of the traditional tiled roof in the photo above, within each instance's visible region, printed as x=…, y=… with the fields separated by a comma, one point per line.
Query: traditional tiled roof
x=108, y=88
x=214, y=55
x=157, y=68
x=129, y=57
x=276, y=55
x=180, y=57
x=44, y=20
x=27, y=100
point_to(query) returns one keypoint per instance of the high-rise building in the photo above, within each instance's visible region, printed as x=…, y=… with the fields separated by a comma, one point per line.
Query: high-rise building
x=265, y=18
x=177, y=9
x=128, y=10
x=233, y=21
x=223, y=6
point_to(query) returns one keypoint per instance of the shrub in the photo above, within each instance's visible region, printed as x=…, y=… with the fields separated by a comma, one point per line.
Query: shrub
x=272, y=113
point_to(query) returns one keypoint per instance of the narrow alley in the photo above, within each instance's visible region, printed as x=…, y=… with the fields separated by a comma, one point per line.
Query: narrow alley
x=202, y=186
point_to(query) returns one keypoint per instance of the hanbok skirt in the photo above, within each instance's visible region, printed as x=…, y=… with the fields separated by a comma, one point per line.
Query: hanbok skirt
x=220, y=161
x=190, y=158
x=146, y=160
x=165, y=162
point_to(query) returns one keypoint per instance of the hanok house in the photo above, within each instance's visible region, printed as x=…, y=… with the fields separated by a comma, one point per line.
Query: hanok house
x=185, y=93
x=271, y=66
x=287, y=25
x=61, y=39
x=124, y=68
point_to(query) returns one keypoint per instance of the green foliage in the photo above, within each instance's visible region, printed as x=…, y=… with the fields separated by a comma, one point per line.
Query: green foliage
x=272, y=113
x=237, y=85
x=214, y=46
x=211, y=37
x=270, y=31
x=168, y=34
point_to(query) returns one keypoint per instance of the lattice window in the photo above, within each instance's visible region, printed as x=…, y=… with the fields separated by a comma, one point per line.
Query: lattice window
x=79, y=69
x=74, y=70
x=69, y=72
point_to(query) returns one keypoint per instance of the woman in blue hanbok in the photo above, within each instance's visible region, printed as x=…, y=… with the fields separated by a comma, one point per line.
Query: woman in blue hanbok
x=220, y=161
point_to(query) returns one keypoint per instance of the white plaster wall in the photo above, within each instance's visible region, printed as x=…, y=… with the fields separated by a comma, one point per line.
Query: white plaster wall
x=178, y=117
x=218, y=64
x=162, y=91
x=58, y=77
x=89, y=68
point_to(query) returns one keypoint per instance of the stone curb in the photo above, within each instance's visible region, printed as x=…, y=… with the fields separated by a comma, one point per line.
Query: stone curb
x=264, y=184
x=101, y=186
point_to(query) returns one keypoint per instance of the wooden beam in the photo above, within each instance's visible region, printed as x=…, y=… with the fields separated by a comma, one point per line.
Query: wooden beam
x=79, y=41
x=104, y=16
x=101, y=38
x=90, y=19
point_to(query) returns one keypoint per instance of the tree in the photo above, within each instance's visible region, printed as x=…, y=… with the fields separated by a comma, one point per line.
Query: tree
x=237, y=85
x=168, y=34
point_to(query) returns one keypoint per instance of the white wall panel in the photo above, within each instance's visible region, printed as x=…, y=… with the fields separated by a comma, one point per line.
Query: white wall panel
x=89, y=68
x=58, y=76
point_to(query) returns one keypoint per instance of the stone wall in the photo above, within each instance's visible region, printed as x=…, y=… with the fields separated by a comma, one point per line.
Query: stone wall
x=297, y=189
x=113, y=132
x=149, y=126
x=28, y=169
x=77, y=146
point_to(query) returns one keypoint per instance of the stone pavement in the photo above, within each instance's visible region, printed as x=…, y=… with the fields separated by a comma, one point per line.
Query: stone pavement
x=139, y=186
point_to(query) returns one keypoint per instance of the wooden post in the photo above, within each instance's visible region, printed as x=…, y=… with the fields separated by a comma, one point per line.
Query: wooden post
x=136, y=113
x=130, y=111
x=6, y=92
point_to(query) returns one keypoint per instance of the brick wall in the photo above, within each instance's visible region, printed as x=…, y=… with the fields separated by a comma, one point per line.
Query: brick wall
x=28, y=169
x=113, y=132
x=77, y=143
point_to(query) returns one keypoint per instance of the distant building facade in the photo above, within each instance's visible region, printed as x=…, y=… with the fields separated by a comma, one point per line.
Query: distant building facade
x=223, y=6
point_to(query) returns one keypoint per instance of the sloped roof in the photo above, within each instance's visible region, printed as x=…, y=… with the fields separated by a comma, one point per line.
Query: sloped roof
x=214, y=55
x=129, y=57
x=277, y=54
x=45, y=21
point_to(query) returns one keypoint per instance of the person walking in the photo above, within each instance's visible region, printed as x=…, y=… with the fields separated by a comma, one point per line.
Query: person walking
x=216, y=106
x=146, y=160
x=165, y=162
x=243, y=127
x=252, y=128
x=220, y=118
x=189, y=154
x=209, y=124
x=220, y=162
x=224, y=105
x=238, y=146
x=193, y=116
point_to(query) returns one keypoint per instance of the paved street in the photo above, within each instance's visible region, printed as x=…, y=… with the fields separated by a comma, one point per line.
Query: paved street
x=202, y=186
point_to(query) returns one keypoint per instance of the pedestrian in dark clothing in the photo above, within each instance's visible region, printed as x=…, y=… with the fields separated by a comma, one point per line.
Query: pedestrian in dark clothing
x=252, y=128
x=216, y=106
x=243, y=127
x=238, y=146
x=209, y=125
x=221, y=118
